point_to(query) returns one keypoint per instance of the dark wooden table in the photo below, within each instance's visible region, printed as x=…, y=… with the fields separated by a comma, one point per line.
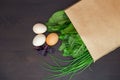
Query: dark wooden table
x=18, y=59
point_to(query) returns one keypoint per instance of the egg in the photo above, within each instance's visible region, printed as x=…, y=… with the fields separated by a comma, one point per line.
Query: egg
x=52, y=39
x=39, y=28
x=39, y=40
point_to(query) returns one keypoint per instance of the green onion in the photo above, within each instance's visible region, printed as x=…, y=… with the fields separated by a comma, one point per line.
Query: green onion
x=71, y=46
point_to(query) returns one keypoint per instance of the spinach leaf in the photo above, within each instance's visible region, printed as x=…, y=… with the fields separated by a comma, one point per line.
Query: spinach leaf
x=72, y=44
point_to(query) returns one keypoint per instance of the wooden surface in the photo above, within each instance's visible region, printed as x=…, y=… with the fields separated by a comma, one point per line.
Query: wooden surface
x=18, y=59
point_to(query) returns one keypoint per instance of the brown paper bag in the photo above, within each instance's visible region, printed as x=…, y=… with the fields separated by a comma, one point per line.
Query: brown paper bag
x=98, y=23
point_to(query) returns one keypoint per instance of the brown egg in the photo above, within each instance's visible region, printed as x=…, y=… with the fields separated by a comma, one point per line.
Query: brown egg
x=52, y=39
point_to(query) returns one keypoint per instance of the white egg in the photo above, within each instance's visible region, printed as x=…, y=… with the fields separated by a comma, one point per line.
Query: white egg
x=39, y=28
x=39, y=40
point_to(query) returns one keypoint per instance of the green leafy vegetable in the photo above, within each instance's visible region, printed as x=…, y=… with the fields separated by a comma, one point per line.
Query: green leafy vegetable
x=71, y=46
x=57, y=22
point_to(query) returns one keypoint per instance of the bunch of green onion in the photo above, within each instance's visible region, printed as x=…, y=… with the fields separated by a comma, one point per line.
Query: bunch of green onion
x=71, y=46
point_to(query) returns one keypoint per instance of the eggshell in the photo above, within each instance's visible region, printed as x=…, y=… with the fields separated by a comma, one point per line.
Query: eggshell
x=39, y=28
x=52, y=39
x=39, y=40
